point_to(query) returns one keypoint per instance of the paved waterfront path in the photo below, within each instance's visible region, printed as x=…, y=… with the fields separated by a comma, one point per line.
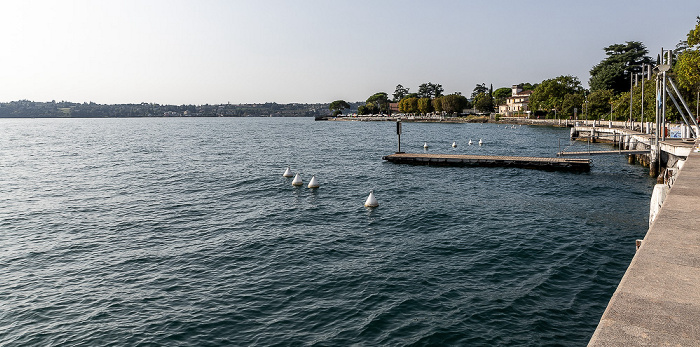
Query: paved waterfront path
x=658, y=300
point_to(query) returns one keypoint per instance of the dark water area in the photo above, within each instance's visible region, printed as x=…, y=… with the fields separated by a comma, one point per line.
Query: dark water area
x=179, y=232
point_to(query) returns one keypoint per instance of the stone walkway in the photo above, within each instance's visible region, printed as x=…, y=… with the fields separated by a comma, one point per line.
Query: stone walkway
x=658, y=300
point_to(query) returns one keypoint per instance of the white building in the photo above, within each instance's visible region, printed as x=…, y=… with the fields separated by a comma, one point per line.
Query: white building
x=517, y=103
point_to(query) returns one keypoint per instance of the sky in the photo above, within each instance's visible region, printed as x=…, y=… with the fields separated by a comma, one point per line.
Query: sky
x=310, y=51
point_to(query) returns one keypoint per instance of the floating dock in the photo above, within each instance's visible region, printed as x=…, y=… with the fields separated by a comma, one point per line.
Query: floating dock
x=551, y=164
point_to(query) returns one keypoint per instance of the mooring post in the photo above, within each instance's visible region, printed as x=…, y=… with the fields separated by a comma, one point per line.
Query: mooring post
x=398, y=132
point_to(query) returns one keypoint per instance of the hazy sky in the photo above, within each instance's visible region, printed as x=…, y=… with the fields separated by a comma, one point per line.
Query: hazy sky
x=206, y=51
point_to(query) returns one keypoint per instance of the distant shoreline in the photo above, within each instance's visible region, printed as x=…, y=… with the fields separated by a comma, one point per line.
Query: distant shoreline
x=117, y=117
x=66, y=109
x=410, y=118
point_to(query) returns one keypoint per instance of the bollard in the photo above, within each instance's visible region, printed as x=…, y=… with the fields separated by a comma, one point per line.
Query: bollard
x=653, y=164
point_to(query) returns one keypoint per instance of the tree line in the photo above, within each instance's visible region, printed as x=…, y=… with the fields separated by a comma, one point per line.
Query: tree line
x=615, y=82
x=428, y=99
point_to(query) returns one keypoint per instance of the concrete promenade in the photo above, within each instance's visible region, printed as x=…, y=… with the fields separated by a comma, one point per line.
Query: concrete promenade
x=657, y=303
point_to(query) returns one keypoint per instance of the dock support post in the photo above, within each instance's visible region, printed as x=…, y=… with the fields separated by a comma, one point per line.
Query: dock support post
x=653, y=164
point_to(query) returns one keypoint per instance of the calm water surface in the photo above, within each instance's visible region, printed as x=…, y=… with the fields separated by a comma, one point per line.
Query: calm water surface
x=167, y=232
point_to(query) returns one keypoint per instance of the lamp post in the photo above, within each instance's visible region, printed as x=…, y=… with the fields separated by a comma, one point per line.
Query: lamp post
x=641, y=118
x=631, y=81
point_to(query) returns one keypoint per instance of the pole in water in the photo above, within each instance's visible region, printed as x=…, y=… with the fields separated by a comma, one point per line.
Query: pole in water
x=398, y=132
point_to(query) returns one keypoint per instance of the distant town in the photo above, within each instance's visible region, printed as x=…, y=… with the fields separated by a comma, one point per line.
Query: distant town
x=65, y=109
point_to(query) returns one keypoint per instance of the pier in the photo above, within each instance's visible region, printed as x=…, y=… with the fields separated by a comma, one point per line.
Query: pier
x=637, y=143
x=626, y=151
x=564, y=164
x=657, y=302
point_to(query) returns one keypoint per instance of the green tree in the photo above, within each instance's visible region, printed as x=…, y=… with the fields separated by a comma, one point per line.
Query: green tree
x=430, y=90
x=483, y=102
x=367, y=109
x=687, y=68
x=454, y=103
x=528, y=86
x=400, y=93
x=572, y=104
x=599, y=103
x=615, y=70
x=550, y=93
x=408, y=105
x=380, y=100
x=424, y=105
x=479, y=89
x=621, y=104
x=437, y=104
x=338, y=106
x=502, y=93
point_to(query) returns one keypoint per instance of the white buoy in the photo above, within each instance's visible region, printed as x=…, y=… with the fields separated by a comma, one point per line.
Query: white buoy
x=371, y=200
x=313, y=183
x=288, y=173
x=480, y=142
x=470, y=142
x=297, y=180
x=454, y=144
x=425, y=145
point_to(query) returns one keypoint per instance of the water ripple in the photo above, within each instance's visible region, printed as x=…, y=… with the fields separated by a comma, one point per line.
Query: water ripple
x=183, y=232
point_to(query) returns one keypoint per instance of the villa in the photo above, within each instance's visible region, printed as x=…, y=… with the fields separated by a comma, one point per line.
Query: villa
x=517, y=103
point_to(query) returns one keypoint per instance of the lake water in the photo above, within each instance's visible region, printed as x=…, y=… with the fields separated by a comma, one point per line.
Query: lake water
x=167, y=232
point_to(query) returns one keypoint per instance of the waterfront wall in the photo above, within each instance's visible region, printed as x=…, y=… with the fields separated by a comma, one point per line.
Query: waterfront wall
x=657, y=302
